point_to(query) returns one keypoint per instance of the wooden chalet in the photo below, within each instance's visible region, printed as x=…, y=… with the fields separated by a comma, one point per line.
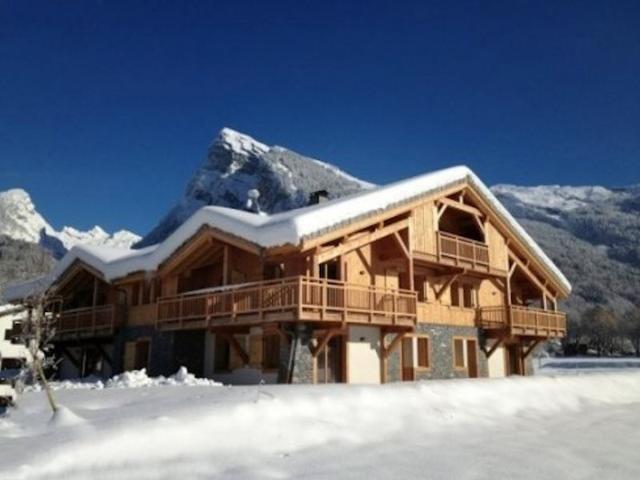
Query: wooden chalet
x=425, y=278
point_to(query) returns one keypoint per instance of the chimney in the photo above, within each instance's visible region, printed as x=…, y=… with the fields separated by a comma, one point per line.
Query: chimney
x=319, y=196
x=252, y=201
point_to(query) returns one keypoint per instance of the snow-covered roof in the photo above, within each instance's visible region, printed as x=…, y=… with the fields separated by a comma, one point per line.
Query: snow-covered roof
x=293, y=226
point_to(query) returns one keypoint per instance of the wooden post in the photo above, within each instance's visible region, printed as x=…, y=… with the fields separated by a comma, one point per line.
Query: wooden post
x=225, y=264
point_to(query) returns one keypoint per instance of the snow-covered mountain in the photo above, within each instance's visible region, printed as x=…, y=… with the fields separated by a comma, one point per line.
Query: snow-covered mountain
x=20, y=220
x=592, y=234
x=236, y=163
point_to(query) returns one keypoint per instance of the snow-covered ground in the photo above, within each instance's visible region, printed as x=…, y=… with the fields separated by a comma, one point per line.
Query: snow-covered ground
x=582, y=365
x=570, y=427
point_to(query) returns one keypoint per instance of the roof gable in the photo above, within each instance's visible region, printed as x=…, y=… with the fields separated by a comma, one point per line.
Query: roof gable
x=295, y=226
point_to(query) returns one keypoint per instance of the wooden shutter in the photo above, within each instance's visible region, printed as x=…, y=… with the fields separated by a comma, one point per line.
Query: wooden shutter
x=423, y=352
x=458, y=353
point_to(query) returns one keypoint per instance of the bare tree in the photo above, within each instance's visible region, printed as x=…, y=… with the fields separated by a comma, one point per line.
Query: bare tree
x=601, y=327
x=37, y=331
x=631, y=328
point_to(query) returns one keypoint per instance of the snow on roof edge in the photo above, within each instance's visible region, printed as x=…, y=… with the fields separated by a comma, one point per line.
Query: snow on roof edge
x=293, y=226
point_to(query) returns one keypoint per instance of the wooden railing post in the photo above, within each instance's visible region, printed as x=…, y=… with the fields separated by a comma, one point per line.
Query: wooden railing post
x=261, y=302
x=323, y=294
x=395, y=308
x=344, y=302
x=233, y=305
x=300, y=295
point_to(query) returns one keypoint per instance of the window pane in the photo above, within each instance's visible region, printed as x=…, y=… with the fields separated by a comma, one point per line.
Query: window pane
x=468, y=296
x=455, y=294
x=423, y=352
x=458, y=353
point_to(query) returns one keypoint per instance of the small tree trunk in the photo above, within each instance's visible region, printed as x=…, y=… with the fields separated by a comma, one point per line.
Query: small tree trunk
x=45, y=383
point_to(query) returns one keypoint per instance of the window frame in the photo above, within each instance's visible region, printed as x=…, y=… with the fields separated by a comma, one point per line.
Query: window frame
x=463, y=342
x=426, y=338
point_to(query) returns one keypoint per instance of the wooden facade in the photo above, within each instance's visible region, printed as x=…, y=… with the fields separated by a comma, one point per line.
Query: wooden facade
x=444, y=259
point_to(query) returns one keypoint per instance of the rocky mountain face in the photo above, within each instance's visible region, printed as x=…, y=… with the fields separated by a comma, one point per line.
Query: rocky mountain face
x=20, y=260
x=237, y=164
x=29, y=245
x=592, y=233
x=20, y=220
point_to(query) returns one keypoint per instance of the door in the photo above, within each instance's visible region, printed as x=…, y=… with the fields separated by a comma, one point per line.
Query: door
x=513, y=360
x=408, y=373
x=472, y=358
x=330, y=361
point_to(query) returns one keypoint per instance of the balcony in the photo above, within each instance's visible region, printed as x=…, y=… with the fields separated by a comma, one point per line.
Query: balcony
x=461, y=251
x=88, y=322
x=523, y=321
x=289, y=299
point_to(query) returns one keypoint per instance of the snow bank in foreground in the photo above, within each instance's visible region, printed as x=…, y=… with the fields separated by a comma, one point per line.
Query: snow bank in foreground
x=134, y=379
x=486, y=428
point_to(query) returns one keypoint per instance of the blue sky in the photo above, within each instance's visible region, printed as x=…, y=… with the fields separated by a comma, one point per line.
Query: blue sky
x=106, y=108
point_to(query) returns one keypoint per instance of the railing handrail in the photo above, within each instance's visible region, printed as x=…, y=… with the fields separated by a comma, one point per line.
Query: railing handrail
x=282, y=281
x=87, y=309
x=535, y=314
x=522, y=308
x=525, y=308
x=459, y=238
x=296, y=293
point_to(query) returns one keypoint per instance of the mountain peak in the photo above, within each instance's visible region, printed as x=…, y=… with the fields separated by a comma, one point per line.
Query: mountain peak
x=239, y=143
x=20, y=220
x=16, y=195
x=237, y=163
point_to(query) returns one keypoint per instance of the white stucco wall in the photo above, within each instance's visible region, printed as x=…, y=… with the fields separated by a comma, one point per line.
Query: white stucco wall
x=496, y=363
x=7, y=349
x=363, y=354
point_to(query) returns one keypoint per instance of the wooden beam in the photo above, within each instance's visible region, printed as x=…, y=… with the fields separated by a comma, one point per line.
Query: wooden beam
x=529, y=349
x=225, y=264
x=447, y=284
x=403, y=247
x=480, y=225
x=494, y=347
x=386, y=350
x=512, y=269
x=233, y=341
x=440, y=211
x=324, y=340
x=67, y=353
x=104, y=354
x=529, y=274
x=460, y=206
x=361, y=241
x=274, y=329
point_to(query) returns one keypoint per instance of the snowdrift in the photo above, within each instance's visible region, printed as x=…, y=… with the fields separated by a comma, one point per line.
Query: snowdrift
x=243, y=432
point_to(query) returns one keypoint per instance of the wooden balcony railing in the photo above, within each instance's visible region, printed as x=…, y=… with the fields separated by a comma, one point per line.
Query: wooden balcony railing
x=462, y=251
x=88, y=322
x=294, y=298
x=524, y=320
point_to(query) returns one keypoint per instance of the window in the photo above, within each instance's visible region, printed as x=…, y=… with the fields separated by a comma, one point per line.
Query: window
x=468, y=296
x=271, y=352
x=458, y=353
x=420, y=285
x=455, y=294
x=330, y=270
x=423, y=352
